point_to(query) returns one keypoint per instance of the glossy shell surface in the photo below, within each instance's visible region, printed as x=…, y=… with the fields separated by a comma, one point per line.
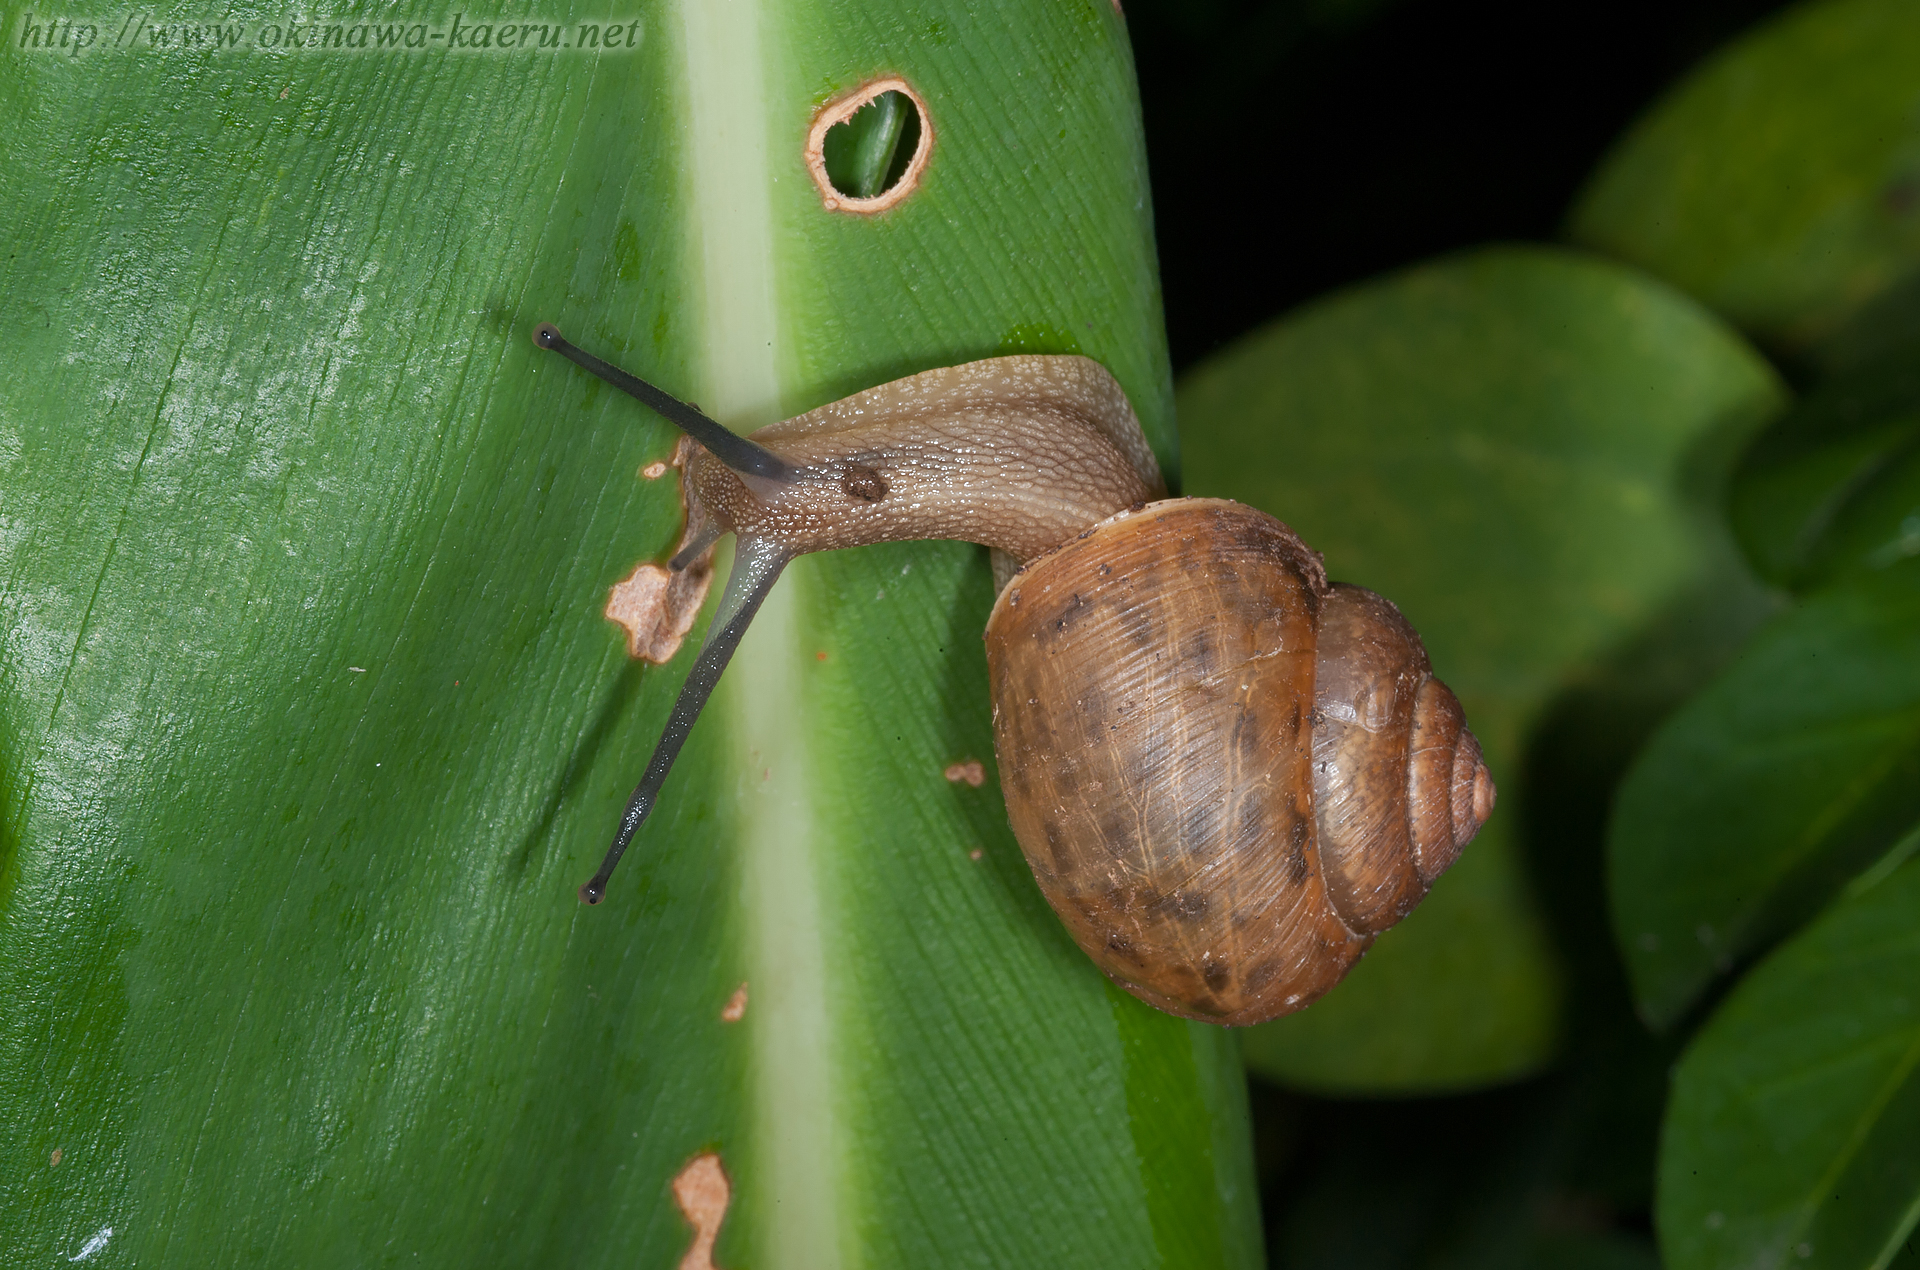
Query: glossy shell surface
x=1222, y=840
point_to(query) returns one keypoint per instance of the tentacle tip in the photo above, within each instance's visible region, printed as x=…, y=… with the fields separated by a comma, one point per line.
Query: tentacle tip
x=593, y=892
x=547, y=335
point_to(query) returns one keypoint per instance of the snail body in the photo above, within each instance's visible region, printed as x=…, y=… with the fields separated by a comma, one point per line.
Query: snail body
x=1018, y=453
x=1227, y=774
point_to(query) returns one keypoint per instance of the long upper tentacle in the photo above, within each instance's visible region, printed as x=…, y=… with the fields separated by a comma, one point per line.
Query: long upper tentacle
x=756, y=567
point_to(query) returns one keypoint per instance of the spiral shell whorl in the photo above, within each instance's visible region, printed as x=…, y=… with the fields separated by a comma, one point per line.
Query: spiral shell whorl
x=1368, y=677
x=1448, y=788
x=1399, y=785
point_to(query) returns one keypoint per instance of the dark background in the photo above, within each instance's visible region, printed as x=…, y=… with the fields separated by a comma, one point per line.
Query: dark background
x=1298, y=146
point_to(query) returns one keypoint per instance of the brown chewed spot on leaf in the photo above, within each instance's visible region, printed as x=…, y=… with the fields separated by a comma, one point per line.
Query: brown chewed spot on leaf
x=654, y=471
x=702, y=1191
x=656, y=605
x=970, y=771
x=736, y=1007
x=54, y=1162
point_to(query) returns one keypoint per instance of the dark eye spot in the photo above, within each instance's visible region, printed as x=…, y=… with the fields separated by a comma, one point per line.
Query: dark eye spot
x=863, y=483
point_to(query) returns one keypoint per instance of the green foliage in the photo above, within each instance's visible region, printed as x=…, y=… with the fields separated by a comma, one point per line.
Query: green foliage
x=1794, y=1135
x=310, y=723
x=1784, y=778
x=1835, y=486
x=1517, y=447
x=1777, y=183
x=1780, y=182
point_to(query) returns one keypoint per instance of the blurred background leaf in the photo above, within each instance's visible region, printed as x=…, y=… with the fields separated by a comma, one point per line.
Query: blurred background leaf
x=1834, y=487
x=1797, y=1108
x=1756, y=802
x=1780, y=181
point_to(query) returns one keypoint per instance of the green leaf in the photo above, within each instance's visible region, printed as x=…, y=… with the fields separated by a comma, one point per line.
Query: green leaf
x=1759, y=799
x=310, y=723
x=1515, y=446
x=1790, y=1137
x=1835, y=485
x=1780, y=181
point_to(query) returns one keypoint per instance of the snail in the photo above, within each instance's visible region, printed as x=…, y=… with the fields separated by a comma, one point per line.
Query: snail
x=1227, y=774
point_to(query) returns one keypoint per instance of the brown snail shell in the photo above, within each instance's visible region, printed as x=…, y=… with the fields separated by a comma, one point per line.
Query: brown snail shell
x=1227, y=774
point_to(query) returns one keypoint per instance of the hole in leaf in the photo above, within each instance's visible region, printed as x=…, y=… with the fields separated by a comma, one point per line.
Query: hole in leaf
x=868, y=149
x=868, y=154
